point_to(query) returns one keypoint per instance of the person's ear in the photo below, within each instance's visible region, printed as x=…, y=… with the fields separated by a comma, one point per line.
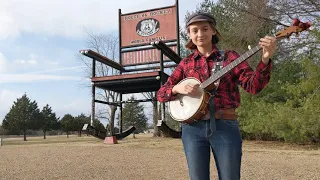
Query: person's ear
x=188, y=32
x=214, y=31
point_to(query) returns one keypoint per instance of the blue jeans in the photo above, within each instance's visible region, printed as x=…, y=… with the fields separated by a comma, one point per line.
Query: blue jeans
x=226, y=145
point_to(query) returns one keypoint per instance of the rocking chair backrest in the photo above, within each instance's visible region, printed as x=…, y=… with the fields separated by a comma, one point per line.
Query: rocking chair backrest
x=141, y=57
x=138, y=30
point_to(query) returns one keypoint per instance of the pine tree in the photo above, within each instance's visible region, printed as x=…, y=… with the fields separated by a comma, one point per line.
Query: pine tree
x=133, y=115
x=67, y=123
x=48, y=120
x=22, y=116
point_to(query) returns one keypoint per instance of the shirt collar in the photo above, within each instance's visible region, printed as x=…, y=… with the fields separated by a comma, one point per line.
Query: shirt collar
x=214, y=53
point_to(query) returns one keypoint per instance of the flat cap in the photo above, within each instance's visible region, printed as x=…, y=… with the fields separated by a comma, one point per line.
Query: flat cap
x=200, y=17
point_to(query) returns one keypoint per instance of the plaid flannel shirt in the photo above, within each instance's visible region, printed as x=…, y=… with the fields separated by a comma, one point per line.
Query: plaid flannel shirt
x=227, y=95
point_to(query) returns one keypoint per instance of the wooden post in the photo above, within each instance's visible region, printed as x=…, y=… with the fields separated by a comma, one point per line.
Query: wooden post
x=178, y=33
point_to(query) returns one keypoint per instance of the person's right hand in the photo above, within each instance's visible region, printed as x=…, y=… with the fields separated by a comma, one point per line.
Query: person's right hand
x=187, y=89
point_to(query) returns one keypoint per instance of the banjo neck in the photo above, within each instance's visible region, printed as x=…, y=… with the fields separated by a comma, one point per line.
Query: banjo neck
x=207, y=84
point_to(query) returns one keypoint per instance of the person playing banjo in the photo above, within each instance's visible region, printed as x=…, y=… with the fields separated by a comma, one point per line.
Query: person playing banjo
x=218, y=128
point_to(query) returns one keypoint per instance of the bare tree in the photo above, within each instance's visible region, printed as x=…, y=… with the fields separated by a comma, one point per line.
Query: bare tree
x=106, y=45
x=152, y=95
x=279, y=14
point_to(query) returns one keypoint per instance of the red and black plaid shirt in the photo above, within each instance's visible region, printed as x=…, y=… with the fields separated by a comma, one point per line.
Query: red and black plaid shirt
x=227, y=95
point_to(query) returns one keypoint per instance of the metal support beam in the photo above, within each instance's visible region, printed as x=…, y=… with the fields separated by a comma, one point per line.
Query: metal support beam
x=93, y=91
x=121, y=115
x=118, y=103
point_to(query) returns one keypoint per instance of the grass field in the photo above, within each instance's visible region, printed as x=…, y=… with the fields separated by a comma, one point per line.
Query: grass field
x=144, y=157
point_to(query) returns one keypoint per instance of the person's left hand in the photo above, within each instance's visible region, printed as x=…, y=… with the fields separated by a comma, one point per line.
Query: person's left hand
x=269, y=46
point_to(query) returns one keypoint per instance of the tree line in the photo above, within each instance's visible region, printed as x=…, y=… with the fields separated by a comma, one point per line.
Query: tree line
x=25, y=115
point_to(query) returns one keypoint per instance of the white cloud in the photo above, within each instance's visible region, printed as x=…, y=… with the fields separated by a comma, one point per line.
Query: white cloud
x=3, y=63
x=33, y=64
x=27, y=78
x=54, y=63
x=58, y=69
x=9, y=28
x=7, y=65
x=25, y=62
x=69, y=18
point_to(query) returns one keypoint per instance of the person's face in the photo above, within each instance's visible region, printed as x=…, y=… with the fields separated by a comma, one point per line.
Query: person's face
x=201, y=33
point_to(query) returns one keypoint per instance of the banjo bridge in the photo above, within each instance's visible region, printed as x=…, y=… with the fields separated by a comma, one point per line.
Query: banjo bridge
x=181, y=102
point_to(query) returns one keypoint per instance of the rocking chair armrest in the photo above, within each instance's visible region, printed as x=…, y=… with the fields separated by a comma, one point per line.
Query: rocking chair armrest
x=167, y=51
x=96, y=56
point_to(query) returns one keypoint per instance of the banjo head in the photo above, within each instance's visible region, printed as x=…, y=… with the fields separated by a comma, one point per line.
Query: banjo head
x=185, y=106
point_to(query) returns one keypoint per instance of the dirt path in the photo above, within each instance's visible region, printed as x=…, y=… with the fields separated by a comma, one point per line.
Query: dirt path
x=146, y=158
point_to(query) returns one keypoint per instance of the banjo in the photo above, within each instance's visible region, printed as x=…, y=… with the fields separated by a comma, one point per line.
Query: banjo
x=187, y=108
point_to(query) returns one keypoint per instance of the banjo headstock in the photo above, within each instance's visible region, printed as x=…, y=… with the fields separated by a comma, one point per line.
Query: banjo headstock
x=296, y=27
